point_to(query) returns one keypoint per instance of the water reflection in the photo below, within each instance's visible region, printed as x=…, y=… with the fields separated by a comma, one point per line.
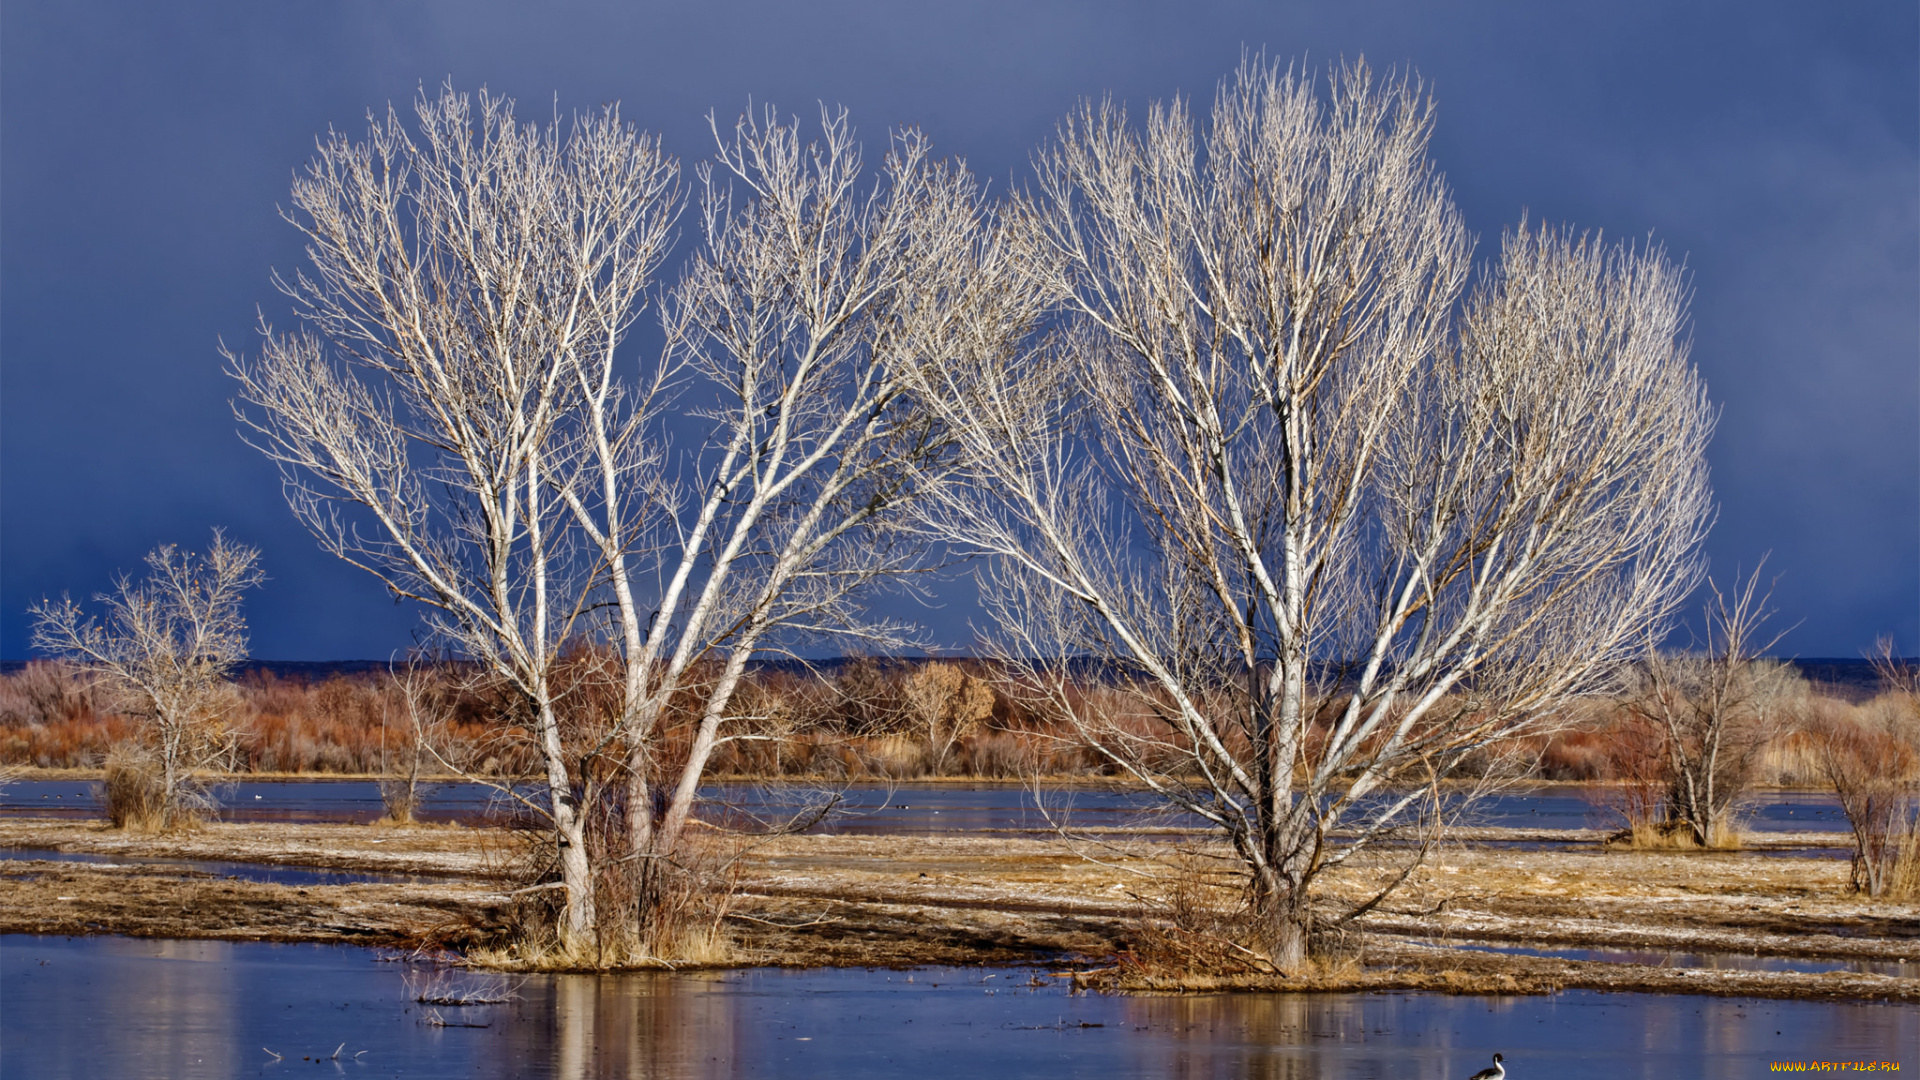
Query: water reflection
x=125, y=1008
x=635, y=1026
x=1572, y=1034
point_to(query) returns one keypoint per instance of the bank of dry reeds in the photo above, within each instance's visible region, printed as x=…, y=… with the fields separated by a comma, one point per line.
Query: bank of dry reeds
x=857, y=720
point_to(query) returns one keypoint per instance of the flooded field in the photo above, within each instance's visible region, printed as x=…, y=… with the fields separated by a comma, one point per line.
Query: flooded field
x=107, y=1006
x=1569, y=916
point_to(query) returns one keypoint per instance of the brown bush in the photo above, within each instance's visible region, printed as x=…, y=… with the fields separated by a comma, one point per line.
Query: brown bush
x=892, y=757
x=802, y=724
x=134, y=792
x=1577, y=755
x=1872, y=767
x=998, y=755
x=45, y=693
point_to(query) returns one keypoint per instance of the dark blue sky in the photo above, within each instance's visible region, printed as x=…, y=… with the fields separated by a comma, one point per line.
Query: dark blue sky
x=144, y=147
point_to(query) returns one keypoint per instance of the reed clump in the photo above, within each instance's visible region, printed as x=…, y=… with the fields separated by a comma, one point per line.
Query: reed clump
x=652, y=914
x=134, y=792
x=1661, y=835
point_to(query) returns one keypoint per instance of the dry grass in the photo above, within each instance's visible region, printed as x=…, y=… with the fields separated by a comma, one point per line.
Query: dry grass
x=706, y=947
x=134, y=792
x=454, y=987
x=897, y=900
x=1903, y=873
x=1645, y=835
x=655, y=913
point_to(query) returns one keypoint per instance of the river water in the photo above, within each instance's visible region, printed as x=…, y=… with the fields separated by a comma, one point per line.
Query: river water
x=131, y=1008
x=902, y=809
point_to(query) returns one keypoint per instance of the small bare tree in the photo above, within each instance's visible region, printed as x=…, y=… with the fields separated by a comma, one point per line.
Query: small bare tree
x=1714, y=711
x=1871, y=767
x=165, y=654
x=1899, y=676
x=424, y=687
x=946, y=704
x=1873, y=763
x=1330, y=527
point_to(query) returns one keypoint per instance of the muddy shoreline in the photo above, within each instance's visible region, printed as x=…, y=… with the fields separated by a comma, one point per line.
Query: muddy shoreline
x=902, y=901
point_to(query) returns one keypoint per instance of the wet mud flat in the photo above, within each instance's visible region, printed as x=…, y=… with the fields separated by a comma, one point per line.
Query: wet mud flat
x=1473, y=920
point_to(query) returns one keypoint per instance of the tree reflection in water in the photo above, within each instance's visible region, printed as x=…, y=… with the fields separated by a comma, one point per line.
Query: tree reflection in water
x=637, y=1025
x=93, y=1007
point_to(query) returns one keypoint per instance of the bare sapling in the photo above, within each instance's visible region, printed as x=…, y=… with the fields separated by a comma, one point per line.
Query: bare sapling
x=421, y=689
x=1711, y=714
x=1331, y=520
x=164, y=653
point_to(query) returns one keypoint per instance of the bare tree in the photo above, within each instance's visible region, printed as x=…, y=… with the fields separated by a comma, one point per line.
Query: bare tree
x=455, y=422
x=1331, y=527
x=1873, y=763
x=946, y=704
x=809, y=309
x=1714, y=710
x=424, y=687
x=470, y=284
x=1898, y=676
x=1872, y=767
x=165, y=654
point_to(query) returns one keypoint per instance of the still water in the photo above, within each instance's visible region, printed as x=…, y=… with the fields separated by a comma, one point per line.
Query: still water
x=119, y=1007
x=1709, y=961
x=903, y=809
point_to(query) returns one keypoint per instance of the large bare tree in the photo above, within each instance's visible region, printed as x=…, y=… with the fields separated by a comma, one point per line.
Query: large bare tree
x=1333, y=524
x=808, y=311
x=454, y=420
x=165, y=654
x=470, y=283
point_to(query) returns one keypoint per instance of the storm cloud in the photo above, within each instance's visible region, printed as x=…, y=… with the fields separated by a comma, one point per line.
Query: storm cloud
x=144, y=149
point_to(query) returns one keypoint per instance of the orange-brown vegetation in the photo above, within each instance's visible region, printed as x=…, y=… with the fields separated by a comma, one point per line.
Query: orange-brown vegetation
x=865, y=718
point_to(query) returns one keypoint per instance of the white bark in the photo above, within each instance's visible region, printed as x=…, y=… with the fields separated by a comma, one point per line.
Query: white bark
x=811, y=305
x=470, y=283
x=456, y=420
x=1334, y=527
